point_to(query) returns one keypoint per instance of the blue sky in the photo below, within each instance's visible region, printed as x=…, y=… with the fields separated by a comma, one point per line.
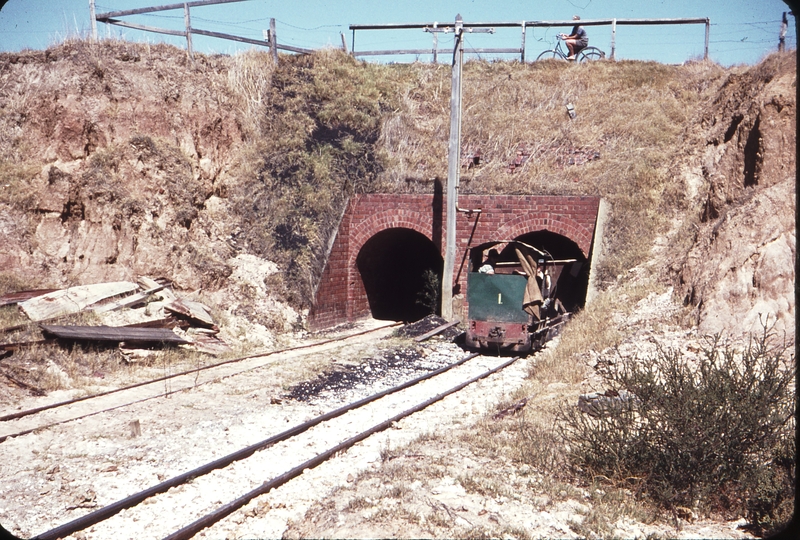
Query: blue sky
x=741, y=32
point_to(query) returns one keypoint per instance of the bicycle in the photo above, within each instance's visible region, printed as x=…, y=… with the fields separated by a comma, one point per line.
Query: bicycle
x=584, y=55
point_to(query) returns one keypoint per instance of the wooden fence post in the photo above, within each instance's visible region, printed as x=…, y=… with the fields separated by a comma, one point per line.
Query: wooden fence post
x=435, y=45
x=94, y=20
x=344, y=43
x=188, y=21
x=613, y=38
x=522, y=49
x=782, y=38
x=273, y=41
x=708, y=29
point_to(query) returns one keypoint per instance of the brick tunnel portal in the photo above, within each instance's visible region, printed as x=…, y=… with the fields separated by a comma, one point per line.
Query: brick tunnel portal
x=401, y=270
x=387, y=253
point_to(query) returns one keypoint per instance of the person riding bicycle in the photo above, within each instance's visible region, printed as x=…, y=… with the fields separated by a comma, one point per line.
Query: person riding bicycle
x=577, y=40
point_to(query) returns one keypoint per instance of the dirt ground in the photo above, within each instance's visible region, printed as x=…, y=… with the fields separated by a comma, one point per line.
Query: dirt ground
x=380, y=488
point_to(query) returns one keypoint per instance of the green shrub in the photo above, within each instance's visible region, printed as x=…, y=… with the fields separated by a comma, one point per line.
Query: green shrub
x=715, y=434
x=429, y=295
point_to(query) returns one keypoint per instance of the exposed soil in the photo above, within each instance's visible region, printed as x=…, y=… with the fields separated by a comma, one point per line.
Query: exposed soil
x=137, y=157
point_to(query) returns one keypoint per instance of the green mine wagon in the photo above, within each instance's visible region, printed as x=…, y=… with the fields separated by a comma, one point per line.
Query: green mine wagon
x=512, y=304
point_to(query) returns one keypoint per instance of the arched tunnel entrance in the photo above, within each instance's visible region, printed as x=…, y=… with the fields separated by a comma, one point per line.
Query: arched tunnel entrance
x=573, y=282
x=401, y=270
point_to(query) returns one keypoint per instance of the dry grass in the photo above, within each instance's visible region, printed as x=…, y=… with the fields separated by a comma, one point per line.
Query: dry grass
x=337, y=126
x=590, y=329
x=249, y=80
x=633, y=114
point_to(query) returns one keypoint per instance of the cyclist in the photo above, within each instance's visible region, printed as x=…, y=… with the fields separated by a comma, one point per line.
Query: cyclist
x=577, y=40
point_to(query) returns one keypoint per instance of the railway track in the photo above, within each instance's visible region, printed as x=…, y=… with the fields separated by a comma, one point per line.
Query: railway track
x=53, y=414
x=179, y=507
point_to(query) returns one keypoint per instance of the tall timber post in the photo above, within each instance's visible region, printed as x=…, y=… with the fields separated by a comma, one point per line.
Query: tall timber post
x=453, y=154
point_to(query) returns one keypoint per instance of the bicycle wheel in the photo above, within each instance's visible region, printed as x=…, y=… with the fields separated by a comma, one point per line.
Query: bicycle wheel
x=590, y=53
x=547, y=55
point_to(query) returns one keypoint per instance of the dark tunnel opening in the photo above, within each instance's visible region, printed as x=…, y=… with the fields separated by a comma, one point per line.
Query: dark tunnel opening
x=401, y=270
x=573, y=282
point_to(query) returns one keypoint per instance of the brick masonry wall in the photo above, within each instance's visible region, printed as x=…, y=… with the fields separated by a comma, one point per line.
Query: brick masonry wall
x=340, y=296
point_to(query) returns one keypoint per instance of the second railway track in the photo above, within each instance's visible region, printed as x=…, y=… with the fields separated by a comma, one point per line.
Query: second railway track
x=22, y=422
x=164, y=513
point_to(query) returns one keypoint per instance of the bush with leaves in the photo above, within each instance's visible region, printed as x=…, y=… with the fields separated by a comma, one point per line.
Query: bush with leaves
x=714, y=434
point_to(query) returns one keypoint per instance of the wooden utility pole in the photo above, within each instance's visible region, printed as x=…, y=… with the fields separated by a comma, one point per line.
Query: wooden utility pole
x=453, y=151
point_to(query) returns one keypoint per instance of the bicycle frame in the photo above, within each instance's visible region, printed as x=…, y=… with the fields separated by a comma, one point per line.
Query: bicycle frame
x=585, y=54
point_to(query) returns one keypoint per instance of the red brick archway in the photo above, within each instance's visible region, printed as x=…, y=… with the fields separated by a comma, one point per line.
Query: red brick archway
x=341, y=297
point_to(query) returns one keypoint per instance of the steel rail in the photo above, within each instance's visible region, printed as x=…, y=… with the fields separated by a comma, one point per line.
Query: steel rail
x=222, y=512
x=108, y=511
x=3, y=438
x=36, y=410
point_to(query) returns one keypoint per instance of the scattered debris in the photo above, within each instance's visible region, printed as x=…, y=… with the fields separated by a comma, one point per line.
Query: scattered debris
x=206, y=342
x=576, y=156
x=609, y=402
x=20, y=296
x=426, y=325
x=136, y=429
x=571, y=111
x=124, y=334
x=193, y=310
x=72, y=300
x=513, y=409
x=128, y=301
x=472, y=158
x=136, y=322
x=436, y=330
x=565, y=154
x=523, y=153
x=25, y=386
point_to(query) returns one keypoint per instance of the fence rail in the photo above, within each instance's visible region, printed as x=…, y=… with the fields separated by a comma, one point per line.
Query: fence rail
x=112, y=17
x=270, y=36
x=523, y=25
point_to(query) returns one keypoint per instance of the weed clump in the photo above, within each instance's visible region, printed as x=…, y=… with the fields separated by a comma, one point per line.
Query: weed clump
x=715, y=435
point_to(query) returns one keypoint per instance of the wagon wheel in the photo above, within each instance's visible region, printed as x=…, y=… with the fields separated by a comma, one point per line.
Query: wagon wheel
x=547, y=55
x=591, y=53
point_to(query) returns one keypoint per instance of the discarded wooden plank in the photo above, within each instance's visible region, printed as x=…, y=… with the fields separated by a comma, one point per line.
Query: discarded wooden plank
x=435, y=331
x=128, y=301
x=23, y=344
x=73, y=299
x=150, y=283
x=166, y=322
x=20, y=296
x=208, y=344
x=9, y=329
x=115, y=334
x=192, y=310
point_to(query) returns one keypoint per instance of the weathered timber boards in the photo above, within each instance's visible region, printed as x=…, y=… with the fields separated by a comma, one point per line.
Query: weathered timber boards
x=115, y=334
x=128, y=301
x=437, y=330
x=72, y=300
x=193, y=310
x=21, y=296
